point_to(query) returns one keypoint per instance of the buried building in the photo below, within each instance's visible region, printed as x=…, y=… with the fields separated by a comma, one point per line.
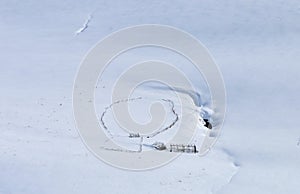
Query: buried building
x=183, y=148
x=175, y=147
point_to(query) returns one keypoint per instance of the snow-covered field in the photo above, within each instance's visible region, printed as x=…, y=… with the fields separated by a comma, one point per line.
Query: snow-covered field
x=255, y=44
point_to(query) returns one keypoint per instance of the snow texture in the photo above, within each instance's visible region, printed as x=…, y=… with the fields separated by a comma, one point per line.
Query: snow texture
x=255, y=43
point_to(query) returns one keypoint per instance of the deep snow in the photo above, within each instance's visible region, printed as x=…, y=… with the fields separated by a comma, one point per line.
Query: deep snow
x=255, y=43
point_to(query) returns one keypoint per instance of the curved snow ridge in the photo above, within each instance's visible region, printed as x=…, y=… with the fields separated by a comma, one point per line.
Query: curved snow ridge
x=232, y=156
x=209, y=174
x=195, y=96
x=235, y=166
x=201, y=100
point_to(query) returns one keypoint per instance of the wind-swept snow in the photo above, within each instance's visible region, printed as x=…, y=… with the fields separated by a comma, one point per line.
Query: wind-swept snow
x=255, y=43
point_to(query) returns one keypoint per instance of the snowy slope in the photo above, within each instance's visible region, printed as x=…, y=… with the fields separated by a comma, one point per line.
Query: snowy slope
x=255, y=43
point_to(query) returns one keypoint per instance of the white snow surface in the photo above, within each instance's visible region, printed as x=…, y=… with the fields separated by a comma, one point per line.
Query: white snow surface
x=255, y=43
